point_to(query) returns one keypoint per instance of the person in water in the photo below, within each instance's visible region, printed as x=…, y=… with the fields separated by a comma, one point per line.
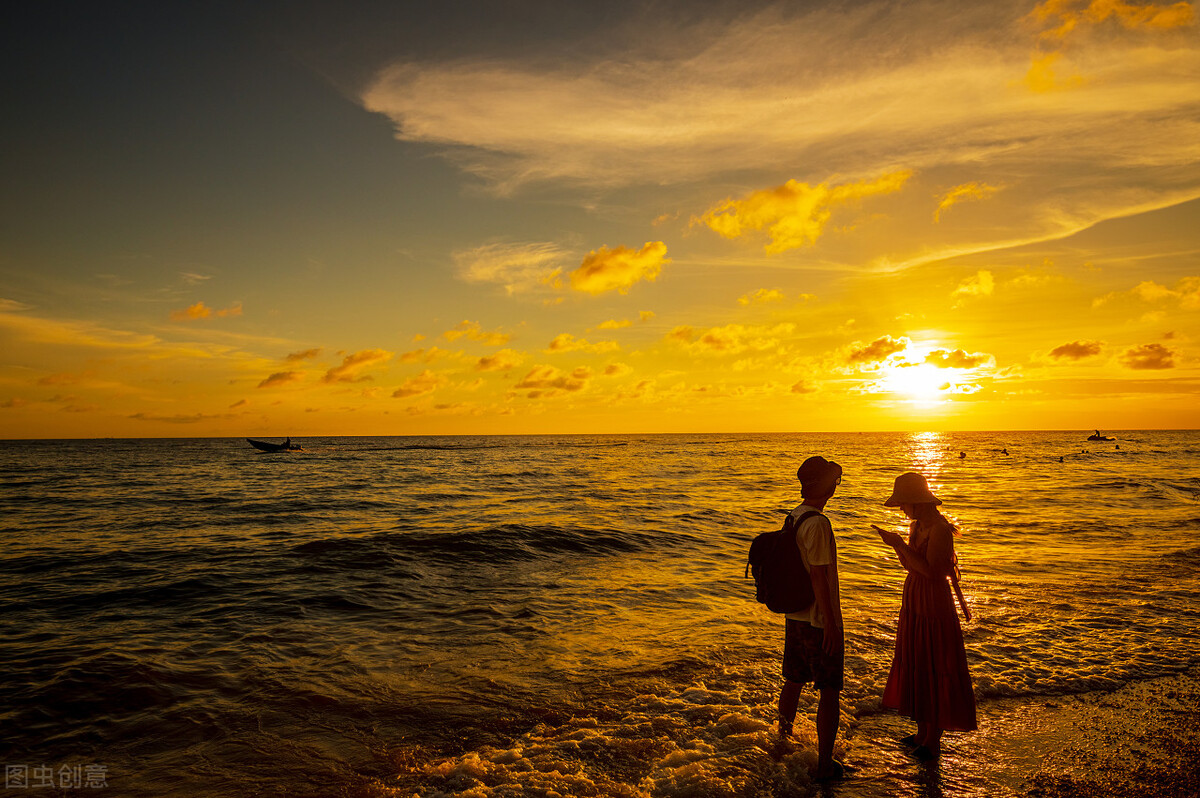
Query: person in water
x=929, y=681
x=813, y=648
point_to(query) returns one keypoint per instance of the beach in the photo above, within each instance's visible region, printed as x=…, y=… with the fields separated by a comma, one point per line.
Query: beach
x=569, y=615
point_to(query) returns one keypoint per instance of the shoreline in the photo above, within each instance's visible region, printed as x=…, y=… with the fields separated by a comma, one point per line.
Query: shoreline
x=1136, y=740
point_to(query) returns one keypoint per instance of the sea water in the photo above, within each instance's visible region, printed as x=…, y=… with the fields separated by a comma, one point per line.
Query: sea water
x=537, y=615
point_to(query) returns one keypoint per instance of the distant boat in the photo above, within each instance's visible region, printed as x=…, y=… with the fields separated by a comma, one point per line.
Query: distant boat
x=1099, y=437
x=263, y=446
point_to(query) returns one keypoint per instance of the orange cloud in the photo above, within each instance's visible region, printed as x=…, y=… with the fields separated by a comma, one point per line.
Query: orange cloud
x=547, y=381
x=878, y=350
x=794, y=213
x=425, y=382
x=730, y=339
x=569, y=343
x=1076, y=350
x=760, y=296
x=967, y=191
x=297, y=357
x=958, y=359
x=352, y=364
x=501, y=361
x=202, y=311
x=280, y=378
x=1149, y=357
x=618, y=269
x=472, y=331
x=981, y=284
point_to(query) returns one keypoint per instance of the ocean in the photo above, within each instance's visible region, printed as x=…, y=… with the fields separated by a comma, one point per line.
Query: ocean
x=540, y=615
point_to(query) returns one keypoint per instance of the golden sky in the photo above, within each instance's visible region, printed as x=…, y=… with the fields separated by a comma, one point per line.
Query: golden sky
x=629, y=218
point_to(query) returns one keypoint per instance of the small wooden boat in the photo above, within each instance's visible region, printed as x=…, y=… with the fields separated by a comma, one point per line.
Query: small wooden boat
x=264, y=446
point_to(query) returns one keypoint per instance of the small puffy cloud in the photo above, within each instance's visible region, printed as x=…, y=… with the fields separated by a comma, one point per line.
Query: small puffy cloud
x=1149, y=357
x=519, y=268
x=1076, y=350
x=281, y=378
x=546, y=381
x=501, y=361
x=351, y=365
x=1150, y=291
x=803, y=387
x=618, y=269
x=795, y=213
x=425, y=382
x=569, y=343
x=615, y=324
x=645, y=315
x=760, y=296
x=958, y=359
x=191, y=278
x=878, y=350
x=202, y=311
x=967, y=191
x=681, y=334
x=980, y=284
x=297, y=357
x=617, y=370
x=472, y=331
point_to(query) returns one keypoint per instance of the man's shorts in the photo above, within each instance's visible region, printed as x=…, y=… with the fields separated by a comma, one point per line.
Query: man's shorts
x=804, y=661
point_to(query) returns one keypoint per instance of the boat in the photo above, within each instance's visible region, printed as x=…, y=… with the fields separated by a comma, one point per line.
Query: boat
x=1099, y=437
x=264, y=446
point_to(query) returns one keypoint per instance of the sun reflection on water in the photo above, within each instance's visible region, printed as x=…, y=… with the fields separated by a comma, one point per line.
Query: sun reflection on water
x=928, y=450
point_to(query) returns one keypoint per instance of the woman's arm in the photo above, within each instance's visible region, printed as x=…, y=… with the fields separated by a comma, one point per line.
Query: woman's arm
x=909, y=557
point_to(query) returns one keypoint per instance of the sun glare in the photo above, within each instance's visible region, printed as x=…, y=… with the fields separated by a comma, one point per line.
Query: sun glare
x=921, y=383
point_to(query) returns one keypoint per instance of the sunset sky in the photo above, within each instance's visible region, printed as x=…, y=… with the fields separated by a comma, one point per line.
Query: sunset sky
x=269, y=219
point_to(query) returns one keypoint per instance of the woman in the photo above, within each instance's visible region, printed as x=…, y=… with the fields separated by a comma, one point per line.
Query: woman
x=929, y=681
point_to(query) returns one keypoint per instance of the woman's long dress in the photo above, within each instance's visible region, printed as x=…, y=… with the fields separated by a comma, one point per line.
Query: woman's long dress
x=929, y=681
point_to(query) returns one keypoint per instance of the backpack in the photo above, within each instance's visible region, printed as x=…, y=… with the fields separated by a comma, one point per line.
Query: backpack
x=780, y=579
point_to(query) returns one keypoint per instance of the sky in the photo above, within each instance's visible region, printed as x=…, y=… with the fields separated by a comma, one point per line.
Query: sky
x=265, y=219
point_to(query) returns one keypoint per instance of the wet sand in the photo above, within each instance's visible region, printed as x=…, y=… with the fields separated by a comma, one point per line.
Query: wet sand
x=1139, y=740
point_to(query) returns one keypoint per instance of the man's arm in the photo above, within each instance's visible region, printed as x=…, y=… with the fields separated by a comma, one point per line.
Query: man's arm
x=831, y=610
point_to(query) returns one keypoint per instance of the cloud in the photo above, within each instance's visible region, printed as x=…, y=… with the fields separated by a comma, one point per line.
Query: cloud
x=645, y=315
x=191, y=278
x=430, y=355
x=760, y=296
x=352, y=364
x=1149, y=357
x=958, y=359
x=878, y=350
x=967, y=191
x=425, y=382
x=181, y=418
x=547, y=381
x=730, y=339
x=802, y=387
x=795, y=213
x=1076, y=350
x=501, y=361
x=980, y=284
x=202, y=311
x=618, y=269
x=238, y=403
x=472, y=332
x=520, y=267
x=615, y=324
x=297, y=357
x=617, y=370
x=566, y=342
x=281, y=378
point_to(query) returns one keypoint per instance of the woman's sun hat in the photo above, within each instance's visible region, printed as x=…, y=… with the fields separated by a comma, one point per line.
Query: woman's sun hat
x=911, y=488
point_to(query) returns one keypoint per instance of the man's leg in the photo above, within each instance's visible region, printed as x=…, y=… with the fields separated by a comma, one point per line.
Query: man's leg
x=789, y=699
x=829, y=715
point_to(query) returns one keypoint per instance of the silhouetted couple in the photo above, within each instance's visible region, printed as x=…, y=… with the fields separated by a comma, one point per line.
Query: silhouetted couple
x=929, y=681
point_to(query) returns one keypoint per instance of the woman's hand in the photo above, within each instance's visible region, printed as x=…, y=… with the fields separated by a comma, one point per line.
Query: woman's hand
x=890, y=538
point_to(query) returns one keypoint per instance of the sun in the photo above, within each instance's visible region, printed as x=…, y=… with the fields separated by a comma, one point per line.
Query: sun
x=921, y=382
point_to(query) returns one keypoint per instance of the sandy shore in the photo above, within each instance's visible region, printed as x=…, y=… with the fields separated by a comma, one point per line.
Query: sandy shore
x=1139, y=740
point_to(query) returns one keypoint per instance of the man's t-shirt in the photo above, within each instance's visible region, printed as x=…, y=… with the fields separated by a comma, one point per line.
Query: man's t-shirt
x=814, y=538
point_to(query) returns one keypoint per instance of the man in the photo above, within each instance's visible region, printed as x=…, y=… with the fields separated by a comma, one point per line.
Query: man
x=813, y=638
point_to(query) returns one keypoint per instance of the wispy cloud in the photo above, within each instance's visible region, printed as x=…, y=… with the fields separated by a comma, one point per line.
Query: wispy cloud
x=351, y=365
x=425, y=382
x=299, y=357
x=281, y=378
x=967, y=191
x=518, y=267
x=473, y=331
x=202, y=311
x=760, y=296
x=565, y=342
